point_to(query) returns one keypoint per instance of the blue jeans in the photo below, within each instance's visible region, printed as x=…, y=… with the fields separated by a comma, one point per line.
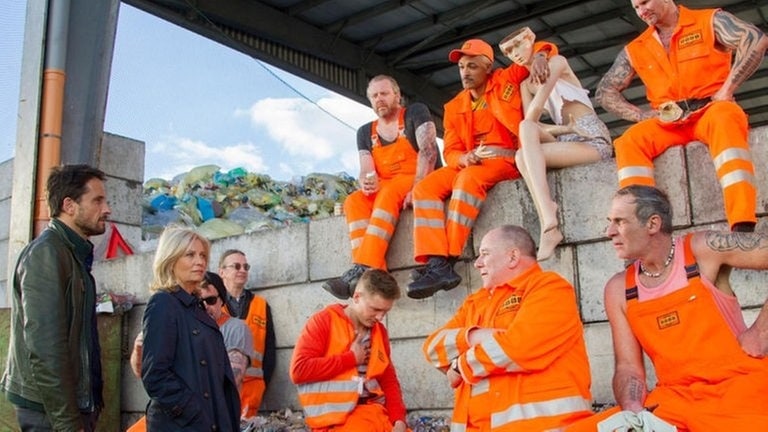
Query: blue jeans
x=36, y=421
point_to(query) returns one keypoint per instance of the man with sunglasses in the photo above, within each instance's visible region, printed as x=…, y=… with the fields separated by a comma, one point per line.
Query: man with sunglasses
x=254, y=310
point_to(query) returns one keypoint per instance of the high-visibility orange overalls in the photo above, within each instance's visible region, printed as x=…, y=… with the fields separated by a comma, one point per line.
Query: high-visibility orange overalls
x=372, y=218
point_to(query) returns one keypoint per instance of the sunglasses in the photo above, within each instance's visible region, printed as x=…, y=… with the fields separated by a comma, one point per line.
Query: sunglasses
x=238, y=266
x=210, y=301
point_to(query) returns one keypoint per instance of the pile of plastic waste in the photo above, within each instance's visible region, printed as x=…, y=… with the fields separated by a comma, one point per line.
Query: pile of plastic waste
x=223, y=204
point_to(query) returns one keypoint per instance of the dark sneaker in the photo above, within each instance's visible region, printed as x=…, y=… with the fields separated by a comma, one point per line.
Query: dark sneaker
x=343, y=287
x=433, y=279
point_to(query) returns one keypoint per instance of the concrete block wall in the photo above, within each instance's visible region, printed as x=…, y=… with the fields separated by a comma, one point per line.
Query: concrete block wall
x=122, y=159
x=6, y=172
x=289, y=265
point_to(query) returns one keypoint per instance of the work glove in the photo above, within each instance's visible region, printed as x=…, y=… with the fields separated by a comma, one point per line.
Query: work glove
x=626, y=421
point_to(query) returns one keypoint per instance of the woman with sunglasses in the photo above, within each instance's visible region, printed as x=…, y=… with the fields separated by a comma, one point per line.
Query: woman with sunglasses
x=184, y=364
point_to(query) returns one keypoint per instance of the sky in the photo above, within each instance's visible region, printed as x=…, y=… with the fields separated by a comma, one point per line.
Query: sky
x=196, y=102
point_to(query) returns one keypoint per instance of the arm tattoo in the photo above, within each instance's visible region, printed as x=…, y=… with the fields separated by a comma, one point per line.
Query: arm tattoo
x=743, y=38
x=723, y=242
x=609, y=89
x=635, y=389
x=362, y=153
x=426, y=139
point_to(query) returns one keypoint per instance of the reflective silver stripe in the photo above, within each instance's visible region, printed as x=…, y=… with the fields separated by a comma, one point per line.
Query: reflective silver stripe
x=737, y=176
x=254, y=372
x=450, y=347
x=257, y=356
x=328, y=387
x=384, y=215
x=531, y=410
x=635, y=171
x=458, y=427
x=429, y=204
x=480, y=387
x=328, y=408
x=730, y=154
x=476, y=368
x=499, y=358
x=428, y=223
x=358, y=225
x=470, y=199
x=460, y=219
x=378, y=232
x=356, y=242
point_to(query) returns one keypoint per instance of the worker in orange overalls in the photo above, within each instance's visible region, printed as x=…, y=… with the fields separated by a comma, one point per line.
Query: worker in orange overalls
x=711, y=368
x=684, y=60
x=342, y=365
x=396, y=150
x=254, y=310
x=481, y=128
x=514, y=352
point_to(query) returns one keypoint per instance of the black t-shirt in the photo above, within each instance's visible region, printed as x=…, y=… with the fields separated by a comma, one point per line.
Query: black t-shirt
x=415, y=115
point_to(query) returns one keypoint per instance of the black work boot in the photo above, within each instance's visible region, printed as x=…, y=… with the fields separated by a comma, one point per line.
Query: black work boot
x=343, y=287
x=437, y=275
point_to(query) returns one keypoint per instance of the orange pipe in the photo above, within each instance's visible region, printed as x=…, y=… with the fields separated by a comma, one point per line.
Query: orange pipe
x=49, y=147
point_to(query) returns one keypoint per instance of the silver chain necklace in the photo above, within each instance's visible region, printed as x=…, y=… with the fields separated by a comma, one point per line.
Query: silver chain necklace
x=667, y=262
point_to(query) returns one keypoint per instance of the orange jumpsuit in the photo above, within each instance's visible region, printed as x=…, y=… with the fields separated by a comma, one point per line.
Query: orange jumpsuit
x=493, y=121
x=372, y=218
x=533, y=375
x=721, y=125
x=329, y=383
x=705, y=380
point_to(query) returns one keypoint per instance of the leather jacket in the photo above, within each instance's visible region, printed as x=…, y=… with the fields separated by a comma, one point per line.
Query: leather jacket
x=49, y=357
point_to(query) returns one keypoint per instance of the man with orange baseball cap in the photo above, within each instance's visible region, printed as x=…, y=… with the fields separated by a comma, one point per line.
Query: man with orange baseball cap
x=481, y=127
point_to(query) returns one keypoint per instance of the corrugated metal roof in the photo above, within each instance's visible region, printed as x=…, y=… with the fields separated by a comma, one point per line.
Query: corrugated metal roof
x=340, y=44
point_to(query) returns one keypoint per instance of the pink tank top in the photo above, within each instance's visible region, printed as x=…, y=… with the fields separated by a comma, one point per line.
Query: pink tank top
x=728, y=305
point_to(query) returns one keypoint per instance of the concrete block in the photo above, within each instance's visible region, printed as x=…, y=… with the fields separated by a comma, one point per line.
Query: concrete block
x=281, y=392
x=411, y=318
x=6, y=172
x=672, y=177
x=130, y=274
x=400, y=251
x=329, y=248
x=601, y=363
x=291, y=308
x=750, y=315
x=706, y=194
x=122, y=157
x=131, y=234
x=585, y=199
x=124, y=198
x=562, y=263
x=750, y=286
x=597, y=263
x=277, y=257
x=5, y=218
x=422, y=385
x=507, y=203
x=758, y=141
x=4, y=263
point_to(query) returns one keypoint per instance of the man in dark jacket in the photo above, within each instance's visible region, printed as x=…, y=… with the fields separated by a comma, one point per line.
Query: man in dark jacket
x=53, y=375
